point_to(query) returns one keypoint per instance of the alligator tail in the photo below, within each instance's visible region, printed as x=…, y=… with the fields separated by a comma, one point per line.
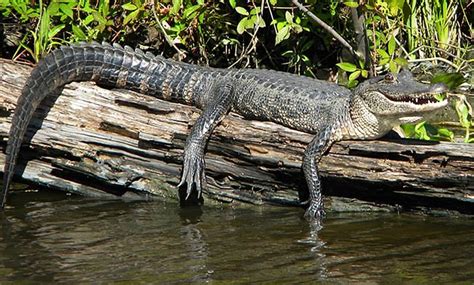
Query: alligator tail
x=105, y=64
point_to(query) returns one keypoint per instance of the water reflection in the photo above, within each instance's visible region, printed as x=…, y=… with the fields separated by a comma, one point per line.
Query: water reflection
x=66, y=240
x=196, y=246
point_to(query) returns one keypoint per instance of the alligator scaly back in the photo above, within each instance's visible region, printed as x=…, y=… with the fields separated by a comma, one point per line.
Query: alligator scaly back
x=105, y=64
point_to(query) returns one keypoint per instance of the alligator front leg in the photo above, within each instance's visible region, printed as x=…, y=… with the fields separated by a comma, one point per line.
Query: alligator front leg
x=193, y=161
x=313, y=153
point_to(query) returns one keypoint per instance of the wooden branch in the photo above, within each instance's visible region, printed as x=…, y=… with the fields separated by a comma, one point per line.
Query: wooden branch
x=358, y=21
x=104, y=143
x=329, y=29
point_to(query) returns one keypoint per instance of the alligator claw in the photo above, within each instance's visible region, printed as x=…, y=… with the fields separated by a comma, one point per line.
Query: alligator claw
x=304, y=203
x=193, y=174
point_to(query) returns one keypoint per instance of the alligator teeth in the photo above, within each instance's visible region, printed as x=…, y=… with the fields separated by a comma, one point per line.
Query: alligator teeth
x=423, y=100
x=418, y=101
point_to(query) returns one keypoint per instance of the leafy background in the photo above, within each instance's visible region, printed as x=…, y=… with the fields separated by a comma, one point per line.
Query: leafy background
x=432, y=37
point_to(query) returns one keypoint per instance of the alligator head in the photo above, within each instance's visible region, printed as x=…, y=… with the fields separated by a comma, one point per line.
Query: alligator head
x=383, y=102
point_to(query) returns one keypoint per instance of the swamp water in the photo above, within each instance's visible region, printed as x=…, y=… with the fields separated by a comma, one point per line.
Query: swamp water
x=48, y=237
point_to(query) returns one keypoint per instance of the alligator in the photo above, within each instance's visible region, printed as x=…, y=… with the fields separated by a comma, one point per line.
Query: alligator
x=327, y=110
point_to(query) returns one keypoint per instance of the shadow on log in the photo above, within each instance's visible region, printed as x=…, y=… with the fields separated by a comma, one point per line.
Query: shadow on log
x=114, y=143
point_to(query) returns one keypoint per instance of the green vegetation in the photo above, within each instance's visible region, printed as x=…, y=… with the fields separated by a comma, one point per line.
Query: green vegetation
x=400, y=31
x=265, y=34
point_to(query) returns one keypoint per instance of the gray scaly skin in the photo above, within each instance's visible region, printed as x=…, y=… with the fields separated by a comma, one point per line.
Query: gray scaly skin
x=328, y=111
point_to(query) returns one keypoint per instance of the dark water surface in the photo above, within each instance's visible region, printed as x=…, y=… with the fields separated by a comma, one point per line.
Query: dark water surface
x=52, y=238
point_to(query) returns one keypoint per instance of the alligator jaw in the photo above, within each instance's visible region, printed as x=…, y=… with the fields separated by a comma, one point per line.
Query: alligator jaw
x=421, y=101
x=421, y=109
x=417, y=106
x=411, y=105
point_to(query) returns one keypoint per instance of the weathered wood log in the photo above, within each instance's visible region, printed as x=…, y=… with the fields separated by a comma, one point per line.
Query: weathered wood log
x=109, y=143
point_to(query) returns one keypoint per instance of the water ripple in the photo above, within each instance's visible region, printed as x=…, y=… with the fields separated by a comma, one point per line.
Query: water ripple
x=68, y=240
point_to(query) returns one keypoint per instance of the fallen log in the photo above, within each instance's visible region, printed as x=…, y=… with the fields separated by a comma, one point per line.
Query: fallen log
x=115, y=143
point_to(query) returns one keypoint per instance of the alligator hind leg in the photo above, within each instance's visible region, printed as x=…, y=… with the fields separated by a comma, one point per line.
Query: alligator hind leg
x=218, y=105
x=313, y=153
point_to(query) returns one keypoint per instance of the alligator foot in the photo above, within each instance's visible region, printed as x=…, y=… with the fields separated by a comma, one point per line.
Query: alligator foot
x=193, y=174
x=314, y=212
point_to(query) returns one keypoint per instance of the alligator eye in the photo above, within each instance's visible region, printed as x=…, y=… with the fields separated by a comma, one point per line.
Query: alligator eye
x=389, y=77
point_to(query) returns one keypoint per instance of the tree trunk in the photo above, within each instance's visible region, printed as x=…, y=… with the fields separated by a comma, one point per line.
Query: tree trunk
x=109, y=143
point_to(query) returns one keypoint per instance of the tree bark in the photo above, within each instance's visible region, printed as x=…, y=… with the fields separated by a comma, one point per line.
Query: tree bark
x=115, y=143
x=358, y=20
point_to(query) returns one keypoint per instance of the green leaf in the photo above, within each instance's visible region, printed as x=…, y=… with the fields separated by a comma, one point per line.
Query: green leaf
x=394, y=6
x=241, y=11
x=129, y=7
x=361, y=63
x=36, y=46
x=131, y=17
x=383, y=53
x=452, y=80
x=86, y=7
x=250, y=23
x=369, y=7
x=88, y=19
x=232, y=3
x=351, y=4
x=29, y=50
x=67, y=10
x=440, y=97
x=421, y=132
x=445, y=133
x=408, y=130
x=354, y=75
x=44, y=28
x=98, y=17
x=78, y=33
x=384, y=61
x=365, y=73
x=255, y=11
x=298, y=20
x=273, y=2
x=280, y=25
x=432, y=132
x=297, y=28
x=401, y=61
x=104, y=8
x=352, y=84
x=55, y=30
x=391, y=45
x=190, y=12
x=242, y=26
x=392, y=66
x=288, y=17
x=176, y=6
x=53, y=8
x=201, y=20
x=462, y=109
x=282, y=34
x=347, y=66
